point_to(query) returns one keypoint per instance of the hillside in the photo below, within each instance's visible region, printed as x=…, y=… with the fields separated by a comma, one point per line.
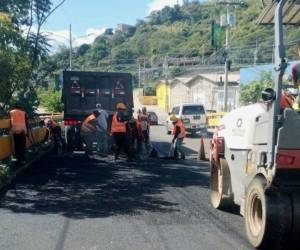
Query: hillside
x=179, y=32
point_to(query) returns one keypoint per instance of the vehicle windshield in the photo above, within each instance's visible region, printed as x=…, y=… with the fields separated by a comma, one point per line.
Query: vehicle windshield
x=193, y=110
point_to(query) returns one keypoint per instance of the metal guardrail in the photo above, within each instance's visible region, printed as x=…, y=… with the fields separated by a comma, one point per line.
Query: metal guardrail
x=36, y=134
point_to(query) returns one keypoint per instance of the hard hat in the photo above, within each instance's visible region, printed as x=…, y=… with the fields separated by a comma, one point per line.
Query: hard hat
x=121, y=105
x=173, y=118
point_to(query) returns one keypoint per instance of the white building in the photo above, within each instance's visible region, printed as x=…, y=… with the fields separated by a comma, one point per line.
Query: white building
x=207, y=89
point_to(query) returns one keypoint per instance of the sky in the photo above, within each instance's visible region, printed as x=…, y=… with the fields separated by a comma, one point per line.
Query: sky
x=89, y=18
x=250, y=74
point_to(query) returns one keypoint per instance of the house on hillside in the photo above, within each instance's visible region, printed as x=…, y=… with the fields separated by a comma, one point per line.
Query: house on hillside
x=125, y=28
x=207, y=89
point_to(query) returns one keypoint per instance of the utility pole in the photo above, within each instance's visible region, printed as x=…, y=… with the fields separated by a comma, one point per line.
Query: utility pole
x=226, y=61
x=166, y=68
x=228, y=5
x=139, y=75
x=71, y=49
x=144, y=71
x=256, y=53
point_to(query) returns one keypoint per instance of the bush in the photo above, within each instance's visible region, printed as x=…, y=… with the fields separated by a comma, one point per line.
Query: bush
x=51, y=100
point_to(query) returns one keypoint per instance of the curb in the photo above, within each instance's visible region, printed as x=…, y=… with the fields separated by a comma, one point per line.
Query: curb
x=19, y=171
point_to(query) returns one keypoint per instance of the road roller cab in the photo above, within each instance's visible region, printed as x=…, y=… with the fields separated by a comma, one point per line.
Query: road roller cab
x=255, y=154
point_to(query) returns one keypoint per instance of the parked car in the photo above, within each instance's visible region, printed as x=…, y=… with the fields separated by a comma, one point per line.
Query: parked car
x=153, y=118
x=193, y=116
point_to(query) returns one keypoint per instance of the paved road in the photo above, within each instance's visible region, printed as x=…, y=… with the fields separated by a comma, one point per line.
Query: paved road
x=73, y=202
x=162, y=140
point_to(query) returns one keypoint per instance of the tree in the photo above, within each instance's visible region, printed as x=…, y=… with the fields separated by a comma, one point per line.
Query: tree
x=51, y=100
x=22, y=50
x=251, y=92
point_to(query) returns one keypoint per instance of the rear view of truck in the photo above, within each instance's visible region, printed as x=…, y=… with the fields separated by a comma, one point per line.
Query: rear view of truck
x=83, y=90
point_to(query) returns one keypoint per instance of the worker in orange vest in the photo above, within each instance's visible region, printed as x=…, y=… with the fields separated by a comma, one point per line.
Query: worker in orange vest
x=119, y=131
x=179, y=135
x=89, y=129
x=287, y=100
x=19, y=128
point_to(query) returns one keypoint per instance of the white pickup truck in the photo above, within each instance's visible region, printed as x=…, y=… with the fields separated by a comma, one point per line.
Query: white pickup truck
x=193, y=116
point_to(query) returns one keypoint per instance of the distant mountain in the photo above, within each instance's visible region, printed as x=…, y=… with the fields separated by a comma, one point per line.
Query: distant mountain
x=178, y=32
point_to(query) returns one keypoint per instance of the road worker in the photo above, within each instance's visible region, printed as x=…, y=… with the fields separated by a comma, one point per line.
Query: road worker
x=144, y=120
x=296, y=80
x=19, y=128
x=55, y=130
x=89, y=129
x=296, y=70
x=287, y=100
x=119, y=131
x=135, y=134
x=102, y=137
x=179, y=135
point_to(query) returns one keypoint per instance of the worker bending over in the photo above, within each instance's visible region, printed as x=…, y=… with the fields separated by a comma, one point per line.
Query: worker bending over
x=55, y=131
x=179, y=135
x=119, y=131
x=89, y=129
x=19, y=128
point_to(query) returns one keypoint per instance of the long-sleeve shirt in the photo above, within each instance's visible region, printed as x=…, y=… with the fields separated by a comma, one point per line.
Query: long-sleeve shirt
x=177, y=132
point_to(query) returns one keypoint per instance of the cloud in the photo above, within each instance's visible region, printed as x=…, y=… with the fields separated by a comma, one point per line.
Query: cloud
x=62, y=37
x=160, y=4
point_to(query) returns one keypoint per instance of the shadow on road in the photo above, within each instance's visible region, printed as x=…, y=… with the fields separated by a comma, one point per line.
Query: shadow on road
x=78, y=187
x=164, y=147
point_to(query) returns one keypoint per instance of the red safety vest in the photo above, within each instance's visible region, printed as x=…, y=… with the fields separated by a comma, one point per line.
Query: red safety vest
x=116, y=126
x=86, y=126
x=179, y=124
x=18, y=121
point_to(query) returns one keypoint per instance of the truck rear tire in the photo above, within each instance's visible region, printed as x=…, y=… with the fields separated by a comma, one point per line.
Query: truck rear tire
x=268, y=217
x=220, y=195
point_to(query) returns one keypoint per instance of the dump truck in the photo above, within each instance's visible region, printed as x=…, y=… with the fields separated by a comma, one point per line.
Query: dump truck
x=82, y=90
x=255, y=154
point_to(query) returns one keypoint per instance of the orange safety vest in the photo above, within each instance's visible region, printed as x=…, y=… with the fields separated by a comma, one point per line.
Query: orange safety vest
x=86, y=127
x=286, y=102
x=116, y=126
x=179, y=124
x=18, y=121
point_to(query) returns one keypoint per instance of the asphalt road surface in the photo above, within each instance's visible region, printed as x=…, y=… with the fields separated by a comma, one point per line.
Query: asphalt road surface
x=75, y=202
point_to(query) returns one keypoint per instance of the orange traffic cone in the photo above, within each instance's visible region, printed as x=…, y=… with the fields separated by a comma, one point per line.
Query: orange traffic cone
x=201, y=153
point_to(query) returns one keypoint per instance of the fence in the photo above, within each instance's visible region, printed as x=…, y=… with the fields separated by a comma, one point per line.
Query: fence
x=36, y=134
